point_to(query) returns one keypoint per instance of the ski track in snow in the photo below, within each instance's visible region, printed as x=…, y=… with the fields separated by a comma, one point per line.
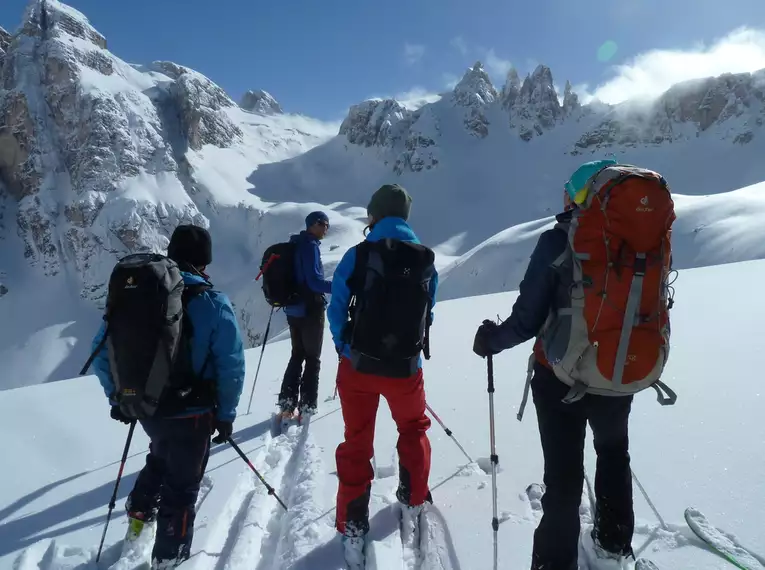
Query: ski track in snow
x=257, y=533
x=438, y=551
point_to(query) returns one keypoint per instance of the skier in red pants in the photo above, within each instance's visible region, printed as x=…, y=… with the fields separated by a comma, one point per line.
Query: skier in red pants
x=383, y=292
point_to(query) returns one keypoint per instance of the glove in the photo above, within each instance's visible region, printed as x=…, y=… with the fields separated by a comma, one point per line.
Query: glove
x=117, y=414
x=224, y=429
x=482, y=342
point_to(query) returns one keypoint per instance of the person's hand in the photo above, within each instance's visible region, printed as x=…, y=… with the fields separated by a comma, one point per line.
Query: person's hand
x=117, y=414
x=224, y=429
x=482, y=341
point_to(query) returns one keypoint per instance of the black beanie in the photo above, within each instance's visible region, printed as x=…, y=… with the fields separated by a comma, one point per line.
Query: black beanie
x=190, y=245
x=390, y=200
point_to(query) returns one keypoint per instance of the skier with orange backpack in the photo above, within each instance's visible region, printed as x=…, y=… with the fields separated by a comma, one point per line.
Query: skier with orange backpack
x=596, y=295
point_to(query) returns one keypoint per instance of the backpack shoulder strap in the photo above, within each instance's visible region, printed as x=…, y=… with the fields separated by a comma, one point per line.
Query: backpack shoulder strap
x=190, y=292
x=356, y=281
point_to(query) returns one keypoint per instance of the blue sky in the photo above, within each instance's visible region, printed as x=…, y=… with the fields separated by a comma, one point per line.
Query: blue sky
x=318, y=57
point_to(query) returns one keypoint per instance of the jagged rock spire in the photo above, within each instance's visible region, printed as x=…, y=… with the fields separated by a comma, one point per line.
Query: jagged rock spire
x=475, y=87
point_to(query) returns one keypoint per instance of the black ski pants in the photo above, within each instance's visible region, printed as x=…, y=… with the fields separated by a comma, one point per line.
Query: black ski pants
x=562, y=429
x=301, y=386
x=171, y=478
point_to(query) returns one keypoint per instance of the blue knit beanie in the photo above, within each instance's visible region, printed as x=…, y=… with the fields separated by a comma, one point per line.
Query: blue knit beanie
x=315, y=217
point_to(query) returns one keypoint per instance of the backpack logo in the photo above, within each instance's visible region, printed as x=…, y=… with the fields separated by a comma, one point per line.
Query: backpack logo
x=131, y=283
x=644, y=208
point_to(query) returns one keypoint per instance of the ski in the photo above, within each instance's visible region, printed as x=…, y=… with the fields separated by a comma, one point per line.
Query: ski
x=720, y=542
x=435, y=541
x=388, y=553
x=411, y=536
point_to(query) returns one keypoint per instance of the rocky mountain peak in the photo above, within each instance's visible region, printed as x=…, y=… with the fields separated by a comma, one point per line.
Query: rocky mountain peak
x=536, y=109
x=538, y=87
x=260, y=101
x=78, y=125
x=51, y=18
x=373, y=122
x=570, y=99
x=475, y=87
x=511, y=89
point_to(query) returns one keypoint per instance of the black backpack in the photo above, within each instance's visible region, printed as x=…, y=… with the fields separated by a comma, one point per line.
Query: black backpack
x=148, y=337
x=390, y=308
x=277, y=268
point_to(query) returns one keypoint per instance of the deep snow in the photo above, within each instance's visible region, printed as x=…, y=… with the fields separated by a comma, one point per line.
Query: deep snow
x=62, y=457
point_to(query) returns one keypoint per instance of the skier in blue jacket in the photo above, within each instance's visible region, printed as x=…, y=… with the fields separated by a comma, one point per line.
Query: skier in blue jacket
x=167, y=487
x=300, y=387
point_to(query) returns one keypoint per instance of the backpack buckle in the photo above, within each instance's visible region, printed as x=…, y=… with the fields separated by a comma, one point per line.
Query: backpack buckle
x=639, y=267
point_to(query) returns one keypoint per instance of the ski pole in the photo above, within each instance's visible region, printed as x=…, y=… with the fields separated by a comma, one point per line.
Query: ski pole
x=257, y=473
x=590, y=493
x=260, y=360
x=113, y=501
x=494, y=457
x=448, y=432
x=649, y=501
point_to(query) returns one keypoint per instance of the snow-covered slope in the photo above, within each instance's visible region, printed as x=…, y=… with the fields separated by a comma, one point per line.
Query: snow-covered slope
x=63, y=456
x=710, y=230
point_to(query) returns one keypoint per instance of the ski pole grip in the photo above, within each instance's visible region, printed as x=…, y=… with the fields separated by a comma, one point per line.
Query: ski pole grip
x=490, y=370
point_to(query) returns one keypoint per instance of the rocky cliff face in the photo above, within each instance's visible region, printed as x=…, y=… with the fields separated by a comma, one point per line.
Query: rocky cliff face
x=5, y=40
x=731, y=107
x=259, y=101
x=79, y=128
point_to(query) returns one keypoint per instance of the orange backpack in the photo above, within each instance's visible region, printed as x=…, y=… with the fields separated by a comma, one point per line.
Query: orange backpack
x=613, y=339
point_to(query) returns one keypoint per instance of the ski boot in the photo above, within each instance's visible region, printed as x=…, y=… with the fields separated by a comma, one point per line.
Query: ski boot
x=601, y=559
x=306, y=410
x=354, y=548
x=137, y=521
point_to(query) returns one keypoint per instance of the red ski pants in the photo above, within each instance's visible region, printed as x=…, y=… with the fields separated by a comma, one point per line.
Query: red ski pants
x=359, y=398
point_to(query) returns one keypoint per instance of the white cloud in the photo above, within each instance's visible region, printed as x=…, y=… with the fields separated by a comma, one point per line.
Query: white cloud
x=650, y=74
x=496, y=66
x=460, y=45
x=412, y=99
x=413, y=53
x=416, y=97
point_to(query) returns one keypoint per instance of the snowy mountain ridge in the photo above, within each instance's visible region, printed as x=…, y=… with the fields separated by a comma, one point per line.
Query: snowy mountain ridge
x=533, y=108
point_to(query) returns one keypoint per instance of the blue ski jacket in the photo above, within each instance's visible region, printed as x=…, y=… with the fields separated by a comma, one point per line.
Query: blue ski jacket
x=337, y=312
x=216, y=334
x=309, y=270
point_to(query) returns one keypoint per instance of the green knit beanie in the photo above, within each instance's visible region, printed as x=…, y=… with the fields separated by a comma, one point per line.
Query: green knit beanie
x=391, y=200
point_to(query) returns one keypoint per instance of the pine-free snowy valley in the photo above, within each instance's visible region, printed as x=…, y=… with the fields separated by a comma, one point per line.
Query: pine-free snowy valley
x=159, y=144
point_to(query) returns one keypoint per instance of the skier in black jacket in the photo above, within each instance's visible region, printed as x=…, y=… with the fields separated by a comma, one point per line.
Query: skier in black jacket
x=562, y=426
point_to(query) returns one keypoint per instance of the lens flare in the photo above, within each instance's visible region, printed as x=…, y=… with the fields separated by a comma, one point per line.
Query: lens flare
x=607, y=51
